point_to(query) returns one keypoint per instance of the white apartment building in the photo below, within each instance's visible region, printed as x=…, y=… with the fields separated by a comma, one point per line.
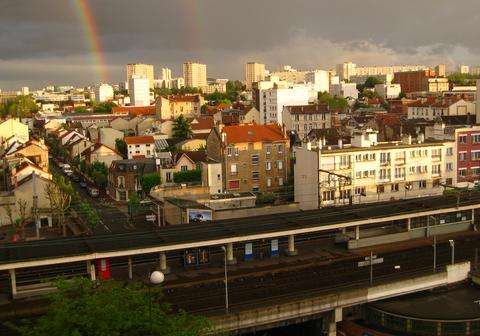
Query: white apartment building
x=195, y=74
x=320, y=79
x=388, y=91
x=142, y=70
x=347, y=69
x=464, y=69
x=369, y=171
x=103, y=93
x=139, y=91
x=430, y=111
x=344, y=90
x=273, y=100
x=140, y=147
x=303, y=118
x=254, y=72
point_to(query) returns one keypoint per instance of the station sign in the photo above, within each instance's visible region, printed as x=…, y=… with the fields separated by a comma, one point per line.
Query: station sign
x=274, y=248
x=248, y=251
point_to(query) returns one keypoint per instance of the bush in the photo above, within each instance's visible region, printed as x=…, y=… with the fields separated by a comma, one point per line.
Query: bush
x=266, y=198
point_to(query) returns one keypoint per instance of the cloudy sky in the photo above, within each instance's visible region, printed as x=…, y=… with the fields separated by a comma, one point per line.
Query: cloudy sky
x=44, y=41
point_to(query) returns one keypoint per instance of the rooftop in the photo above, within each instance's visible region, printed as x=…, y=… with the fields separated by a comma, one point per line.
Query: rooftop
x=135, y=140
x=253, y=133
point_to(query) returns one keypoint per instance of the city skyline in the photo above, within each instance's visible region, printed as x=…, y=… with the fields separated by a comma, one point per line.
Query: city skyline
x=51, y=41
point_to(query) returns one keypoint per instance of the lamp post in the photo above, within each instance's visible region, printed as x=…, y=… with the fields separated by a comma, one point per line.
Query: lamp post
x=226, y=279
x=156, y=278
x=452, y=246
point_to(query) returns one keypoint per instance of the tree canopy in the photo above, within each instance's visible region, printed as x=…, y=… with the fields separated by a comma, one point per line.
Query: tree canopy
x=105, y=107
x=181, y=128
x=19, y=107
x=121, y=147
x=463, y=79
x=82, y=307
x=149, y=181
x=332, y=102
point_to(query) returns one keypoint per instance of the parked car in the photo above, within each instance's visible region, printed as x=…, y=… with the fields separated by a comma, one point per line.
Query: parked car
x=93, y=192
x=83, y=184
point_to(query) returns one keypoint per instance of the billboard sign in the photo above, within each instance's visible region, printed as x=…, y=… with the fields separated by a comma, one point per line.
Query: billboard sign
x=248, y=251
x=274, y=248
x=199, y=215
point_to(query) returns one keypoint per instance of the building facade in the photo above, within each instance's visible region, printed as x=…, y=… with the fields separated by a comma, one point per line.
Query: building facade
x=368, y=171
x=420, y=81
x=139, y=91
x=302, y=119
x=273, y=100
x=254, y=72
x=142, y=70
x=430, y=111
x=195, y=74
x=139, y=147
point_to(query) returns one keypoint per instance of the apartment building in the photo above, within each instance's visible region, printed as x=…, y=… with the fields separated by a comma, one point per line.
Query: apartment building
x=290, y=75
x=320, y=79
x=420, y=81
x=195, y=74
x=254, y=72
x=103, y=93
x=369, y=171
x=303, y=118
x=141, y=70
x=139, y=91
x=274, y=99
x=344, y=90
x=468, y=156
x=175, y=105
x=255, y=158
x=140, y=147
x=347, y=69
x=388, y=91
x=444, y=108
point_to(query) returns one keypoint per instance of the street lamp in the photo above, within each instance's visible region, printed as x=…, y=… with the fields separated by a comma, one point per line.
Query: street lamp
x=226, y=279
x=156, y=278
x=452, y=246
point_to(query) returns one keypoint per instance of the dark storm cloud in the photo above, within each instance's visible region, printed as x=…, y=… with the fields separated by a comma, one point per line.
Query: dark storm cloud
x=43, y=41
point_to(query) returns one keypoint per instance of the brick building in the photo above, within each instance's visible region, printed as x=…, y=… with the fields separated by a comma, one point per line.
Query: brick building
x=254, y=157
x=420, y=81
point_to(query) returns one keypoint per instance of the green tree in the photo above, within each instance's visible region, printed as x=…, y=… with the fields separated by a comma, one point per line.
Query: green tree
x=370, y=82
x=90, y=214
x=148, y=181
x=18, y=107
x=105, y=107
x=194, y=175
x=164, y=92
x=82, y=307
x=402, y=95
x=133, y=205
x=98, y=171
x=121, y=147
x=181, y=128
x=463, y=79
x=234, y=88
x=80, y=109
x=332, y=102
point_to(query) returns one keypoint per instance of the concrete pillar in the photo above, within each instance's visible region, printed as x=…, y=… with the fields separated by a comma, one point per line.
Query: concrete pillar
x=93, y=276
x=409, y=325
x=291, y=246
x=473, y=216
x=13, y=282
x=163, y=264
x=468, y=328
x=357, y=232
x=344, y=230
x=88, y=267
x=231, y=260
x=409, y=224
x=330, y=321
x=130, y=268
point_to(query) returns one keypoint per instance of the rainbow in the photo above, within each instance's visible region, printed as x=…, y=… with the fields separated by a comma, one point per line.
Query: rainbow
x=85, y=14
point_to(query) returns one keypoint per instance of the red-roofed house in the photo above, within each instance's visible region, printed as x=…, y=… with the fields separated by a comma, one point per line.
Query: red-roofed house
x=135, y=111
x=444, y=108
x=254, y=157
x=202, y=124
x=101, y=153
x=173, y=106
x=140, y=147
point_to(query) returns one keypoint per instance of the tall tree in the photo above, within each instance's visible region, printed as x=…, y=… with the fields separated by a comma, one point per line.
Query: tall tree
x=83, y=307
x=181, y=128
x=59, y=193
x=121, y=147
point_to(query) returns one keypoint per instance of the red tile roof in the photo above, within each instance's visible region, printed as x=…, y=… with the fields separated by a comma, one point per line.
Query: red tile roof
x=204, y=123
x=184, y=98
x=309, y=109
x=135, y=110
x=253, y=133
x=136, y=140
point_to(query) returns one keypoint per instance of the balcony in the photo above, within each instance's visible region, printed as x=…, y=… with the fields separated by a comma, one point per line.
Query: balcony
x=385, y=163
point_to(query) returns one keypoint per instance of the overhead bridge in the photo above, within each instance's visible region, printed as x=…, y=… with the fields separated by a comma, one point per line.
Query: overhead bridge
x=237, y=231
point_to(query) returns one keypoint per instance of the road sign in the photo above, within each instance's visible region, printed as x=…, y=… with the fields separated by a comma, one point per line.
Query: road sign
x=248, y=251
x=151, y=218
x=274, y=248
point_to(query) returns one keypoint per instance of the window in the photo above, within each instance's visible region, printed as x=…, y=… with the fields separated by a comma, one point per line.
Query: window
x=268, y=149
x=230, y=151
x=269, y=182
x=449, y=151
x=462, y=139
x=254, y=159
x=384, y=174
x=380, y=189
x=148, y=152
x=399, y=172
x=476, y=171
x=475, y=138
x=436, y=169
x=268, y=165
x=411, y=170
x=384, y=158
x=449, y=166
x=475, y=155
x=358, y=174
x=280, y=165
x=236, y=151
x=233, y=169
x=280, y=148
x=234, y=184
x=255, y=188
x=255, y=175
x=462, y=156
x=462, y=172
x=328, y=195
x=394, y=187
x=184, y=168
x=436, y=183
x=168, y=176
x=360, y=191
x=280, y=181
x=422, y=184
